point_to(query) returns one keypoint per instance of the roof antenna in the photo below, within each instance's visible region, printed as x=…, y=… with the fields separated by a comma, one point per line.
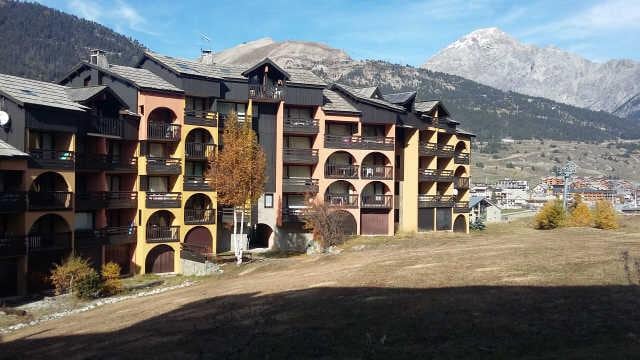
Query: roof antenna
x=206, y=54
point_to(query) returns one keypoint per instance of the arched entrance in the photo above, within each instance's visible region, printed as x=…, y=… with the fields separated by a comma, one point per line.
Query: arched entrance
x=49, y=191
x=341, y=193
x=160, y=229
x=460, y=172
x=348, y=222
x=341, y=165
x=377, y=166
x=198, y=210
x=162, y=115
x=49, y=242
x=260, y=237
x=199, y=240
x=460, y=224
x=160, y=260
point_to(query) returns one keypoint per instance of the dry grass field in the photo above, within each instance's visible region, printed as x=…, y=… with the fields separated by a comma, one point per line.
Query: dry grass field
x=508, y=292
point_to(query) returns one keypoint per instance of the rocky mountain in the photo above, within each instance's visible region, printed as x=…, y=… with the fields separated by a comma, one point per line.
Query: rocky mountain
x=493, y=57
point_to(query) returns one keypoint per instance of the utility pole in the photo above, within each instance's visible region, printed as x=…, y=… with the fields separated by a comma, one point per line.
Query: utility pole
x=566, y=172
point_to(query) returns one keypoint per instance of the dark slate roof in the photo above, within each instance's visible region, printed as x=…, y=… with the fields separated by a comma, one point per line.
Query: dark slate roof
x=400, y=98
x=334, y=102
x=8, y=151
x=361, y=95
x=143, y=78
x=264, y=62
x=465, y=132
x=84, y=93
x=304, y=77
x=425, y=106
x=474, y=200
x=27, y=91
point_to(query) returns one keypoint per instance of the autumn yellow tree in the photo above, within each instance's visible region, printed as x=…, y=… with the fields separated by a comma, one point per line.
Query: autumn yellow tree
x=551, y=216
x=237, y=172
x=604, y=216
x=579, y=213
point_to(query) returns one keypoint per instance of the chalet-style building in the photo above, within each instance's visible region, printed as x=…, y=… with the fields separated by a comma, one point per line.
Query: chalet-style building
x=111, y=162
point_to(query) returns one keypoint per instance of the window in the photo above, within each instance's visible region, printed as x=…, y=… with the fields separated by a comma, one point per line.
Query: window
x=156, y=150
x=158, y=184
x=87, y=81
x=83, y=221
x=298, y=171
x=268, y=200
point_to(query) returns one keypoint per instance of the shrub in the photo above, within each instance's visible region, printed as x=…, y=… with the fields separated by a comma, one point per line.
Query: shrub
x=64, y=276
x=579, y=213
x=604, y=216
x=111, y=275
x=551, y=216
x=89, y=286
x=477, y=225
x=325, y=222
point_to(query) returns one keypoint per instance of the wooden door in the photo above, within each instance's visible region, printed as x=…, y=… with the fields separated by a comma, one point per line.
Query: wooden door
x=160, y=260
x=374, y=223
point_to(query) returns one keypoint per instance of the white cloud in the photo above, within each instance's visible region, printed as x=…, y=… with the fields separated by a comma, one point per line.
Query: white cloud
x=84, y=9
x=119, y=15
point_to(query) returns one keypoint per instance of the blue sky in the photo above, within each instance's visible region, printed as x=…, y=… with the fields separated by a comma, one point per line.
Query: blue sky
x=406, y=32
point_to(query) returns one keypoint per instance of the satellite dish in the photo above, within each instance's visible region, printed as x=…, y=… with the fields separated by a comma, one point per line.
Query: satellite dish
x=4, y=118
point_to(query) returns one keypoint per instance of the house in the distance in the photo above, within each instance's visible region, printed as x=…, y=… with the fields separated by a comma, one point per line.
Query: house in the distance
x=484, y=209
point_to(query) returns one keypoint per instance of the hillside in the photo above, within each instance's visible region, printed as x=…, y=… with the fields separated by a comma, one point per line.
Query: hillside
x=42, y=43
x=493, y=57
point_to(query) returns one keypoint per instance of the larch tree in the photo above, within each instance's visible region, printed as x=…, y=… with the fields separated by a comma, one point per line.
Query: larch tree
x=604, y=215
x=237, y=172
x=579, y=213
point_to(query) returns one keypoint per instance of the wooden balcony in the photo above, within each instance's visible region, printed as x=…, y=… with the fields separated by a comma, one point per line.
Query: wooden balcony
x=300, y=156
x=199, y=216
x=342, y=200
x=197, y=183
x=432, y=149
x=359, y=142
x=268, y=93
x=116, y=235
x=122, y=164
x=380, y=201
x=121, y=199
x=164, y=166
x=106, y=126
x=48, y=242
x=12, y=202
x=341, y=171
x=293, y=215
x=435, y=175
x=163, y=200
x=11, y=245
x=200, y=117
x=91, y=200
x=461, y=207
x=92, y=162
x=461, y=159
x=84, y=239
x=301, y=126
x=300, y=185
x=461, y=183
x=199, y=151
x=429, y=201
x=445, y=151
x=377, y=172
x=377, y=143
x=52, y=159
x=160, y=131
x=162, y=234
x=50, y=200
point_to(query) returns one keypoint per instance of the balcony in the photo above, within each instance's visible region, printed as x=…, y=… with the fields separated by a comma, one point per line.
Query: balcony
x=461, y=159
x=13, y=202
x=197, y=183
x=300, y=185
x=342, y=200
x=340, y=171
x=461, y=207
x=159, y=131
x=200, y=117
x=293, y=215
x=199, y=151
x=435, y=175
x=48, y=242
x=377, y=143
x=162, y=234
x=164, y=166
x=301, y=126
x=12, y=246
x=91, y=200
x=91, y=162
x=199, y=216
x=50, y=200
x=429, y=201
x=376, y=201
x=445, y=151
x=106, y=126
x=121, y=200
x=359, y=142
x=266, y=92
x=122, y=164
x=300, y=156
x=116, y=235
x=377, y=172
x=461, y=183
x=433, y=149
x=88, y=238
x=52, y=159
x=163, y=200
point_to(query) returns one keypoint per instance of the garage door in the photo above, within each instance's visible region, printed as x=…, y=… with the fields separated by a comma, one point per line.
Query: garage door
x=425, y=219
x=160, y=260
x=443, y=219
x=374, y=223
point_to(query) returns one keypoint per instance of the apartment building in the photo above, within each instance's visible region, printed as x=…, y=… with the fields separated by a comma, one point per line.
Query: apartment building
x=124, y=151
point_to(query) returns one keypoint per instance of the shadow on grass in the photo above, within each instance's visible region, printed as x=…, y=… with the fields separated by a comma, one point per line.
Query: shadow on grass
x=467, y=322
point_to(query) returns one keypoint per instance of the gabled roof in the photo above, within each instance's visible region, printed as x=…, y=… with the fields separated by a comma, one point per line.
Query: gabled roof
x=27, y=91
x=465, y=132
x=368, y=92
x=334, y=102
x=425, y=106
x=263, y=62
x=84, y=93
x=400, y=98
x=8, y=151
x=361, y=94
x=304, y=77
x=475, y=200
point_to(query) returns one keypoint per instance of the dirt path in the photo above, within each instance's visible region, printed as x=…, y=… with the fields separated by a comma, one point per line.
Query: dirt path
x=488, y=295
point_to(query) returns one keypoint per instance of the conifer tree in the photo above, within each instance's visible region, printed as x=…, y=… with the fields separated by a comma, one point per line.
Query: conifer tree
x=579, y=213
x=551, y=216
x=605, y=216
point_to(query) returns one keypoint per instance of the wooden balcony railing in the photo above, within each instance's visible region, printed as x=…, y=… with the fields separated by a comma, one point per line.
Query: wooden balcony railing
x=377, y=172
x=434, y=149
x=122, y=200
x=435, y=175
x=199, y=151
x=92, y=162
x=91, y=200
x=119, y=163
x=359, y=142
x=200, y=117
x=50, y=200
x=427, y=201
x=116, y=235
x=88, y=238
x=461, y=183
x=293, y=215
x=300, y=156
x=266, y=92
x=300, y=185
x=49, y=241
x=303, y=126
x=163, y=200
x=160, y=131
x=13, y=202
x=108, y=126
x=461, y=207
x=461, y=158
x=161, y=234
x=341, y=171
x=164, y=166
x=52, y=159
x=342, y=200
x=380, y=201
x=199, y=216
x=197, y=183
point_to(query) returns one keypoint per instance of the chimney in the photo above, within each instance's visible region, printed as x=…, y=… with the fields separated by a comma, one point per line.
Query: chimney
x=206, y=57
x=99, y=57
